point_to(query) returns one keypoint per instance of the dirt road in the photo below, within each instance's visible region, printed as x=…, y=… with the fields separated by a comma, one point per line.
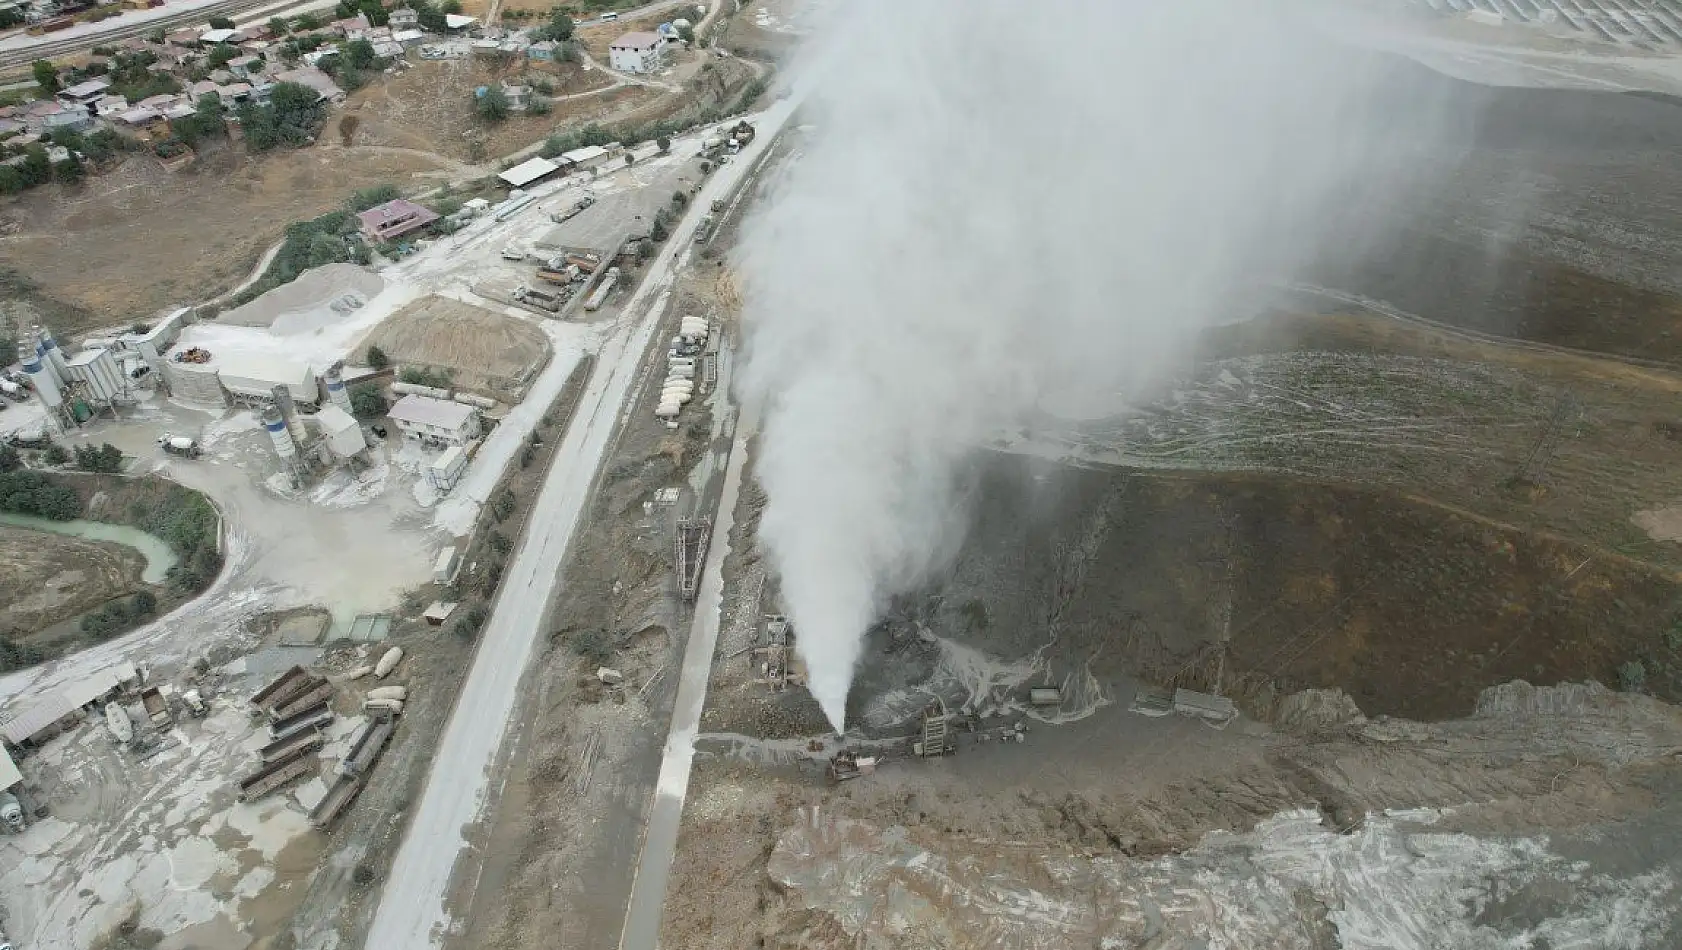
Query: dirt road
x=412, y=912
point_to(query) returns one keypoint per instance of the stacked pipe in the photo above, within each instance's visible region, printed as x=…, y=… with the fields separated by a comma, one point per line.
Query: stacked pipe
x=679, y=386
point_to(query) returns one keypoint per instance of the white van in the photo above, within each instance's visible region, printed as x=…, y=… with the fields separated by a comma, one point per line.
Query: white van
x=609, y=17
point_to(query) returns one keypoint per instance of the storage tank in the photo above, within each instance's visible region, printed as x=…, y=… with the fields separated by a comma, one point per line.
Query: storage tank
x=275, y=424
x=97, y=369
x=667, y=410
x=337, y=394
x=388, y=662
x=415, y=389
x=683, y=372
x=45, y=385
x=55, y=356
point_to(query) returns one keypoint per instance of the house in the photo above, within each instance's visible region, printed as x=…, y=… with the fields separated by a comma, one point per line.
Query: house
x=394, y=219
x=212, y=37
x=407, y=37
x=244, y=66
x=221, y=77
x=436, y=421
x=404, y=18
x=141, y=122
x=49, y=715
x=10, y=126
x=325, y=88
x=48, y=116
x=84, y=93
x=519, y=97
x=638, y=52
x=388, y=49
x=455, y=22
x=183, y=39
x=542, y=51
x=109, y=105
x=352, y=28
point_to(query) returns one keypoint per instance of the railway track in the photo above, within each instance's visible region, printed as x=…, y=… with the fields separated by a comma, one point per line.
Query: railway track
x=51, y=48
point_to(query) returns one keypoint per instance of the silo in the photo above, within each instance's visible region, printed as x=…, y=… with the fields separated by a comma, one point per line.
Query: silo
x=275, y=423
x=337, y=394
x=45, y=385
x=55, y=356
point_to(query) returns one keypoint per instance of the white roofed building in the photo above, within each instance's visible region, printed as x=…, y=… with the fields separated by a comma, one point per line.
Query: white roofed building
x=529, y=172
x=639, y=52
x=253, y=378
x=435, y=421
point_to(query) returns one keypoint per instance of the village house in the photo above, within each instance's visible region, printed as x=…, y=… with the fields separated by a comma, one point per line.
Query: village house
x=638, y=52
x=244, y=67
x=435, y=421
x=404, y=18
x=84, y=93
x=394, y=219
x=326, y=89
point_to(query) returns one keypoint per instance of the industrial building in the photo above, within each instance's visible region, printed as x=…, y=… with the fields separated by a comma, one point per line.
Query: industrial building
x=56, y=712
x=394, y=219
x=529, y=172
x=342, y=432
x=435, y=421
x=200, y=376
x=590, y=156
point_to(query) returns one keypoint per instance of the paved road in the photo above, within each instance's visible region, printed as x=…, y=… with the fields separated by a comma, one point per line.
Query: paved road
x=411, y=915
x=654, y=865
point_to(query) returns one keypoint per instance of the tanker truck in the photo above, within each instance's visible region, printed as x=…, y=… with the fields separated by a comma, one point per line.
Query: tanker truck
x=181, y=445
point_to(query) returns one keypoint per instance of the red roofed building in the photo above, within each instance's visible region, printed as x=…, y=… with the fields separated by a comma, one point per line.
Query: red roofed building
x=394, y=219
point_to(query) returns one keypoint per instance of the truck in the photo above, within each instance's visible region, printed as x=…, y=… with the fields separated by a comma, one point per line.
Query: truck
x=181, y=445
x=11, y=812
x=552, y=276
x=157, y=708
x=572, y=211
x=13, y=391
x=541, y=299
x=512, y=253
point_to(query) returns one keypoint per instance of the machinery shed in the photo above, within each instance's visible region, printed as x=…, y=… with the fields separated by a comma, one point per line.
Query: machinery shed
x=255, y=377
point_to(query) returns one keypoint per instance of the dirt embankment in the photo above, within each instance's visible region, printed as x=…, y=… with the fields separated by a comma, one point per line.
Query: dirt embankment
x=479, y=349
x=46, y=578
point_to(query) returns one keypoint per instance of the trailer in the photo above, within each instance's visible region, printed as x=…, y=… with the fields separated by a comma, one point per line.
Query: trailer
x=285, y=686
x=309, y=739
x=315, y=693
x=312, y=718
x=334, y=803
x=276, y=774
x=365, y=751
x=157, y=709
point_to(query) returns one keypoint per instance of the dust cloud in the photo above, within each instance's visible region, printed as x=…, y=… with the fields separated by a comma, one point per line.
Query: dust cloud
x=998, y=207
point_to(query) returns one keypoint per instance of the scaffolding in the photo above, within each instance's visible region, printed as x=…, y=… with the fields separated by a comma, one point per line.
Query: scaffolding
x=938, y=739
x=691, y=552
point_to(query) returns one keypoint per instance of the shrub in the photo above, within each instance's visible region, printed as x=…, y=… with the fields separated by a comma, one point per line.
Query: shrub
x=594, y=645
x=366, y=401
x=1632, y=677
x=377, y=358
x=55, y=455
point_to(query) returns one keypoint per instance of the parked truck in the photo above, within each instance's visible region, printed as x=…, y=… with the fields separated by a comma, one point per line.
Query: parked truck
x=181, y=445
x=157, y=708
x=552, y=276
x=13, y=391
x=11, y=812
x=541, y=299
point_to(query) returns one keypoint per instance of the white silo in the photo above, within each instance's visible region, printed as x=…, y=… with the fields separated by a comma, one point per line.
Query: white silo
x=45, y=385
x=33, y=337
x=337, y=394
x=55, y=356
x=275, y=423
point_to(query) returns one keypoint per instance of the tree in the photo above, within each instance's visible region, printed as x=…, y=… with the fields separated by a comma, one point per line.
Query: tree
x=493, y=105
x=220, y=55
x=144, y=603
x=277, y=26
x=55, y=455
x=305, y=23
x=36, y=168
x=366, y=400
x=10, y=17
x=359, y=54
x=10, y=461
x=1632, y=677
x=687, y=34
x=11, y=180
x=69, y=171
x=665, y=144
x=365, y=198
x=377, y=358
x=221, y=23
x=560, y=26
x=539, y=105
x=46, y=76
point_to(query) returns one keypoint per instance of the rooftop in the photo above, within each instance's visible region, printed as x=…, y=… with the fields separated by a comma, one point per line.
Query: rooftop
x=396, y=211
x=639, y=40
x=424, y=410
x=588, y=153
x=528, y=171
x=83, y=90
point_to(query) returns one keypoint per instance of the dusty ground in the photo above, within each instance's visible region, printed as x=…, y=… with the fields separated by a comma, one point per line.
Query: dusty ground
x=429, y=107
x=483, y=349
x=46, y=578
x=139, y=239
x=568, y=826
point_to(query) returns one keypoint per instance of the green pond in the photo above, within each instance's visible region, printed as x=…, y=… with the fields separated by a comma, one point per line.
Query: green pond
x=159, y=558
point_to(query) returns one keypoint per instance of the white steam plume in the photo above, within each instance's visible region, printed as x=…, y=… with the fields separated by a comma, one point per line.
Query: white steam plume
x=1002, y=200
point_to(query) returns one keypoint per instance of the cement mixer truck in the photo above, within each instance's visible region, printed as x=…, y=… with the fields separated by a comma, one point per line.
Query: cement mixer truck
x=182, y=446
x=11, y=812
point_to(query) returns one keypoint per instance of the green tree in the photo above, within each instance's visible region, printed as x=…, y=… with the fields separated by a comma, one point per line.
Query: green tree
x=10, y=461
x=492, y=106
x=377, y=358
x=305, y=23
x=560, y=26
x=55, y=455
x=366, y=198
x=46, y=76
x=10, y=17
x=359, y=54
x=687, y=34
x=145, y=603
x=277, y=26
x=366, y=400
x=11, y=180
x=69, y=171
x=665, y=144
x=220, y=55
x=36, y=168
x=221, y=23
